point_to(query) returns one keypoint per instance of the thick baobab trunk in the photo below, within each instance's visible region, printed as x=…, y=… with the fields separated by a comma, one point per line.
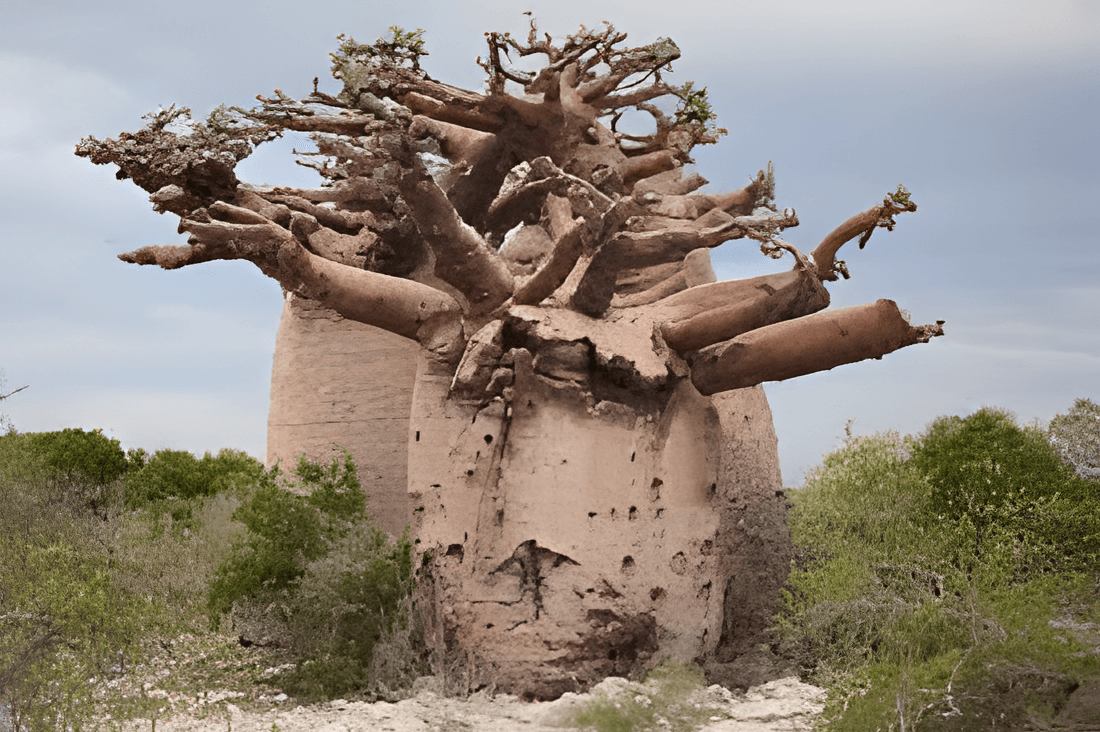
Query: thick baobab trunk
x=566, y=537
x=592, y=470
x=337, y=383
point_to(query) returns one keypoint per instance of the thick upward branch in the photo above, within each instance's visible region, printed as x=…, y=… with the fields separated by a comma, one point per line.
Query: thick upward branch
x=861, y=225
x=463, y=259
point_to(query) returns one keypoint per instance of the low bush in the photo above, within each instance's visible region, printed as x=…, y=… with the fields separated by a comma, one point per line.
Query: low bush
x=64, y=619
x=670, y=697
x=932, y=573
x=286, y=530
x=1016, y=502
x=172, y=562
x=179, y=475
x=89, y=580
x=312, y=573
x=81, y=469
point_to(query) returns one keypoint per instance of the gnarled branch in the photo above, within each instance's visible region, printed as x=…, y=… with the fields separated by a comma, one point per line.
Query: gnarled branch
x=398, y=305
x=861, y=225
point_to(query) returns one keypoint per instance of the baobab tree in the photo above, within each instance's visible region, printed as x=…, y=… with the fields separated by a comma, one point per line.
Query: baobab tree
x=587, y=428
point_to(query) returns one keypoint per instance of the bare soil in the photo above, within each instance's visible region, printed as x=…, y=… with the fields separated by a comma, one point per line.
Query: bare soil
x=782, y=705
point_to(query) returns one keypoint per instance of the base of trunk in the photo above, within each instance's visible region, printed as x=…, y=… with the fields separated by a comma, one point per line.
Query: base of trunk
x=564, y=539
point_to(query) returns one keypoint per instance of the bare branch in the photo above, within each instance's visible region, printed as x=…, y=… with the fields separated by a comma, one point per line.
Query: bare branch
x=702, y=316
x=14, y=391
x=817, y=342
x=861, y=225
x=463, y=259
x=398, y=305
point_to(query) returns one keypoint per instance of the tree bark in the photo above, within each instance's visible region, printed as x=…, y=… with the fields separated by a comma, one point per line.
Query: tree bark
x=806, y=345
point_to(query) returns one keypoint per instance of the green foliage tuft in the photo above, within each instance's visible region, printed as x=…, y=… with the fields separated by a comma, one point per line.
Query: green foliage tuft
x=901, y=196
x=353, y=62
x=695, y=113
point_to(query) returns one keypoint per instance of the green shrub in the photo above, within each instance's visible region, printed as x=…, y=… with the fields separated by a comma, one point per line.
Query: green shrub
x=349, y=604
x=1006, y=487
x=287, y=530
x=82, y=469
x=64, y=618
x=77, y=455
x=929, y=571
x=313, y=573
x=87, y=581
x=986, y=460
x=179, y=475
x=867, y=497
x=283, y=533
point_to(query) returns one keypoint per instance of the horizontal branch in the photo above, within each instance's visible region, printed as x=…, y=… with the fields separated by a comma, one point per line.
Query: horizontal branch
x=817, y=342
x=457, y=142
x=631, y=98
x=353, y=125
x=363, y=193
x=473, y=118
x=674, y=240
x=668, y=183
x=401, y=306
x=647, y=165
x=708, y=314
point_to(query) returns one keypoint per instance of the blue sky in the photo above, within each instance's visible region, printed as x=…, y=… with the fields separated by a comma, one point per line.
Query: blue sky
x=986, y=111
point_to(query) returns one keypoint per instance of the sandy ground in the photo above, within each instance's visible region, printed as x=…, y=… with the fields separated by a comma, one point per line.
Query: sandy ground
x=782, y=705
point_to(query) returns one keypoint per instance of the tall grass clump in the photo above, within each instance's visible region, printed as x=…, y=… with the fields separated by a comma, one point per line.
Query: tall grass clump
x=671, y=698
x=311, y=573
x=937, y=575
